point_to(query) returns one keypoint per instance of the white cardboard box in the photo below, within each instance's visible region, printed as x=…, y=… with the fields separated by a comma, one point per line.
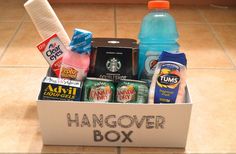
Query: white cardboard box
x=114, y=124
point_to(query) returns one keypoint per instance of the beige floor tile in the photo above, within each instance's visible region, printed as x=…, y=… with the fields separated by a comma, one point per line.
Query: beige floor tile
x=84, y=12
x=19, y=129
x=135, y=150
x=202, y=49
x=23, y=51
x=12, y=10
x=6, y=32
x=186, y=14
x=216, y=15
x=135, y=13
x=106, y=150
x=79, y=149
x=128, y=30
x=130, y=13
x=196, y=40
x=99, y=29
x=212, y=122
x=227, y=35
x=30, y=139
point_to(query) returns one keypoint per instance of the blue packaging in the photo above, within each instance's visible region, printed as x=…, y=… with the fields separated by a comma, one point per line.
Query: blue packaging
x=169, y=77
x=81, y=41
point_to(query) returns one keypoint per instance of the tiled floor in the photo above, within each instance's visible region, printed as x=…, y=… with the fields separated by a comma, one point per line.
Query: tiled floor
x=207, y=36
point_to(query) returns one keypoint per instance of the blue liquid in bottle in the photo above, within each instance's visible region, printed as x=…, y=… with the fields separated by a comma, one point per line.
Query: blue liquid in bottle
x=158, y=33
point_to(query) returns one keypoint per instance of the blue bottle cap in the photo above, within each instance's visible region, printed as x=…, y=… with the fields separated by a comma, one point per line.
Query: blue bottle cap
x=175, y=57
x=81, y=41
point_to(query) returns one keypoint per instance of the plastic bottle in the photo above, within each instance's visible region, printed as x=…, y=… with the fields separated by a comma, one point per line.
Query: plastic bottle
x=158, y=33
x=169, y=79
x=75, y=62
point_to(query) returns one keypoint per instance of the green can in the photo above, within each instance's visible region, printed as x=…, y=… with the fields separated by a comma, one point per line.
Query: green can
x=98, y=90
x=132, y=91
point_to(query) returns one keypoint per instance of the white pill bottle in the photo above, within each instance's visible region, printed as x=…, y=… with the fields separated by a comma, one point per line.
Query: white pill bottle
x=169, y=79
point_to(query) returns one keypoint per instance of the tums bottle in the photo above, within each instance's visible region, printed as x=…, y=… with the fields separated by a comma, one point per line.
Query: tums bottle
x=158, y=33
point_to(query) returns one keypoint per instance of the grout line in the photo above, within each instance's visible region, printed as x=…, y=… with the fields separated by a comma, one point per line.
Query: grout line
x=11, y=21
x=115, y=21
x=191, y=23
x=25, y=17
x=217, y=38
x=138, y=22
x=13, y=36
x=178, y=22
x=118, y=150
x=83, y=21
x=223, y=24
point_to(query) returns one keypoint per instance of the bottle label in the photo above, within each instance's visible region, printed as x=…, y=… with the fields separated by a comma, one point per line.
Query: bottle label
x=72, y=73
x=167, y=84
x=150, y=64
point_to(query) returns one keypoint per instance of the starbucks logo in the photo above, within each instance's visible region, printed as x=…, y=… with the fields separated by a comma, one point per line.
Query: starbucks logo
x=113, y=65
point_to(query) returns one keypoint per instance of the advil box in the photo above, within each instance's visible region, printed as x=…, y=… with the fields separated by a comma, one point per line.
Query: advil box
x=114, y=124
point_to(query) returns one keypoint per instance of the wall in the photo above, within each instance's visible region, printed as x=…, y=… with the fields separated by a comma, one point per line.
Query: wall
x=185, y=2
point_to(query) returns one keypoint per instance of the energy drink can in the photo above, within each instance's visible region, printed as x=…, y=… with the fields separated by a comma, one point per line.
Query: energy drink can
x=98, y=90
x=132, y=91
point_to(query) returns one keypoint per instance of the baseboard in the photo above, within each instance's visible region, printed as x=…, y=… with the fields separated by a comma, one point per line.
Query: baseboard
x=181, y=2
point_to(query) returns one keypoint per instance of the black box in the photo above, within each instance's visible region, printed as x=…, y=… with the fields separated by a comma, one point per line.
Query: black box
x=114, y=58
